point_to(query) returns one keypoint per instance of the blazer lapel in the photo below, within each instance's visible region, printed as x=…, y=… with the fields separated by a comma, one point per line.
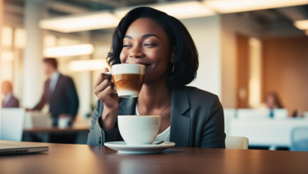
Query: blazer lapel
x=180, y=124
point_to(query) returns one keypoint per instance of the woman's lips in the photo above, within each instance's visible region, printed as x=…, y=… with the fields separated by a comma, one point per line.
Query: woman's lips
x=142, y=63
x=145, y=64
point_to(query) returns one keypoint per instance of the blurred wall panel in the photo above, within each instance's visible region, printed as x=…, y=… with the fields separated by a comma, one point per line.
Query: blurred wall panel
x=285, y=62
x=255, y=57
x=231, y=24
x=206, y=34
x=243, y=70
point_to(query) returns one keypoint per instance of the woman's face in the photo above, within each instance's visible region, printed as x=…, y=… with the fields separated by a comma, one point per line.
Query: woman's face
x=270, y=101
x=146, y=43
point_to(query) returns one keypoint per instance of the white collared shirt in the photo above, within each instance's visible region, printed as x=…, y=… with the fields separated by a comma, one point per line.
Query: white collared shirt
x=7, y=98
x=165, y=135
x=53, y=81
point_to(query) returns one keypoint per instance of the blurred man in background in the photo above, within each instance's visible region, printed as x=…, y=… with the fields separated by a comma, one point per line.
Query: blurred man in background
x=9, y=101
x=59, y=92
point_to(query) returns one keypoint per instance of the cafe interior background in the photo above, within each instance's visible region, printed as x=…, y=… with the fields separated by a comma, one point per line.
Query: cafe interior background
x=246, y=50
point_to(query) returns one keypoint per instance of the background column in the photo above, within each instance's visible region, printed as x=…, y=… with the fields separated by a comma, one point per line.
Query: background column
x=33, y=78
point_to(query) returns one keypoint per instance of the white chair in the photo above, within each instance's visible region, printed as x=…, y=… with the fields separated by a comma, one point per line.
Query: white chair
x=11, y=124
x=249, y=114
x=305, y=114
x=236, y=142
x=229, y=116
x=299, y=138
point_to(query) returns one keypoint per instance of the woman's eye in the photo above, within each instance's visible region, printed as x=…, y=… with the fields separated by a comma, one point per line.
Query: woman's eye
x=126, y=45
x=149, y=44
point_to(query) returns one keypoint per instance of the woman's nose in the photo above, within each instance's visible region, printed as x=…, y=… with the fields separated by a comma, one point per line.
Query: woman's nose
x=136, y=52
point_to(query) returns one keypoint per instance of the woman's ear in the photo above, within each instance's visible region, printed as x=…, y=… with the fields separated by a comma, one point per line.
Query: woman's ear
x=173, y=55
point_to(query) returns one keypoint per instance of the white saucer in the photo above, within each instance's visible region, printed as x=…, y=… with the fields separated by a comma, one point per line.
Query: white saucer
x=123, y=148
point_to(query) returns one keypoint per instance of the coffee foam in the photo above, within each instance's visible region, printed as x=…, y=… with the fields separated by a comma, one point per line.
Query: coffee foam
x=128, y=69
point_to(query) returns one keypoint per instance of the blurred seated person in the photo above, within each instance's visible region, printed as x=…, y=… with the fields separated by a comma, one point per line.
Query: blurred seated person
x=9, y=101
x=272, y=102
x=59, y=92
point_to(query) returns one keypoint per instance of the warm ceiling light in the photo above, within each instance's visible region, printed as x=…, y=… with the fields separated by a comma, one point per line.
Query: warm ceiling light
x=87, y=65
x=7, y=56
x=74, y=23
x=73, y=50
x=233, y=6
x=180, y=10
x=302, y=24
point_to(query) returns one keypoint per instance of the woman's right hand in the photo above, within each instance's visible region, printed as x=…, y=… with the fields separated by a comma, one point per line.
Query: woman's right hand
x=105, y=92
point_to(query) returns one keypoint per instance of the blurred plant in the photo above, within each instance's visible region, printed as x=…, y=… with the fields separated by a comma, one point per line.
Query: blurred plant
x=92, y=106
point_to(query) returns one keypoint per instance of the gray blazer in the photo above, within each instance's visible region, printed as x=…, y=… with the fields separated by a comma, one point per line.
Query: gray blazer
x=197, y=120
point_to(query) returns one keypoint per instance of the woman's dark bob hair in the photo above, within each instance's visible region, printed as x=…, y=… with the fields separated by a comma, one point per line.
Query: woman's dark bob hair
x=185, y=53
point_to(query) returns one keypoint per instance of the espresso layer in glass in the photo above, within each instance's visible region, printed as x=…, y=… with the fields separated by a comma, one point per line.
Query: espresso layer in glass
x=132, y=82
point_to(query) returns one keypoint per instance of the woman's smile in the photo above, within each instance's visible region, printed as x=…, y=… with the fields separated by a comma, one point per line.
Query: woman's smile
x=146, y=63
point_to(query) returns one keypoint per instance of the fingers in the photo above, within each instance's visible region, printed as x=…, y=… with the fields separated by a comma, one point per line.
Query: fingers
x=101, y=77
x=102, y=86
x=105, y=70
x=106, y=93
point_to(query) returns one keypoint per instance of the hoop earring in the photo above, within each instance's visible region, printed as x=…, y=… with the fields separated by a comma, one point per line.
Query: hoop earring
x=172, y=67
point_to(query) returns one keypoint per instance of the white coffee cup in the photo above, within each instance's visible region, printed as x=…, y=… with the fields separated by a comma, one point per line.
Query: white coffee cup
x=63, y=122
x=137, y=130
x=127, y=79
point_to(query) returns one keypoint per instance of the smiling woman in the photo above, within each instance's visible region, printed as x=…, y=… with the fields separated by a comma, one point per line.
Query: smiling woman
x=158, y=30
x=190, y=117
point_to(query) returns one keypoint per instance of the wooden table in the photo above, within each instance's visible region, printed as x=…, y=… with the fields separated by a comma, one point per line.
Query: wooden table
x=63, y=158
x=80, y=132
x=58, y=130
